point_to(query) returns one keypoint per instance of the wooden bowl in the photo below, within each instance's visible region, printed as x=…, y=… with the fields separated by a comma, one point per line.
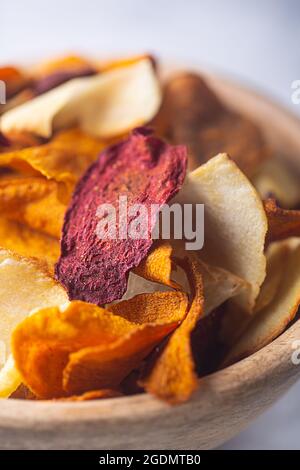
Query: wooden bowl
x=226, y=401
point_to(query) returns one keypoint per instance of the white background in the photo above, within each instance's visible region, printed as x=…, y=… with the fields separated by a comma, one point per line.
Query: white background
x=257, y=42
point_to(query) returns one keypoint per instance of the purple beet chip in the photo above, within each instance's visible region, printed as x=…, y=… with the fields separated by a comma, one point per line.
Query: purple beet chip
x=108, y=225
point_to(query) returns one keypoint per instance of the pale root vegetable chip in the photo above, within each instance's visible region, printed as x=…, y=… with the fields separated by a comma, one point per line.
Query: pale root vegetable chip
x=68, y=350
x=272, y=320
x=25, y=285
x=234, y=321
x=64, y=159
x=275, y=178
x=28, y=242
x=105, y=105
x=235, y=222
x=219, y=284
x=276, y=254
x=282, y=223
x=173, y=375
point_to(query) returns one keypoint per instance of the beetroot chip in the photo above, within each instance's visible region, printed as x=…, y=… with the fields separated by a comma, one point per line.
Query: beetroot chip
x=99, y=245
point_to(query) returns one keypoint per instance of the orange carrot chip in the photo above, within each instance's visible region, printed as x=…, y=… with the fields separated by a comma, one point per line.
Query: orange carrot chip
x=28, y=242
x=82, y=347
x=64, y=159
x=282, y=223
x=173, y=376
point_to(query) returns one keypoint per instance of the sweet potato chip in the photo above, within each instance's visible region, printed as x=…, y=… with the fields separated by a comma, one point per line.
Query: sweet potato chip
x=158, y=307
x=173, y=376
x=64, y=159
x=192, y=114
x=61, y=64
x=93, y=395
x=28, y=242
x=14, y=80
x=271, y=321
x=106, y=105
x=25, y=284
x=283, y=223
x=157, y=266
x=235, y=222
x=148, y=172
x=86, y=344
x=206, y=342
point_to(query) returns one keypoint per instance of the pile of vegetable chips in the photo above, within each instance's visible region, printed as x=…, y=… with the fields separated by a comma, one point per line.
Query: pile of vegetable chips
x=88, y=312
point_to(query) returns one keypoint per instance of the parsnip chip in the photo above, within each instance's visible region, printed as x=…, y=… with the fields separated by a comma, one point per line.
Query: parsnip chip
x=25, y=285
x=283, y=223
x=219, y=284
x=28, y=242
x=276, y=255
x=106, y=105
x=234, y=321
x=85, y=344
x=275, y=178
x=173, y=376
x=64, y=159
x=235, y=222
x=271, y=321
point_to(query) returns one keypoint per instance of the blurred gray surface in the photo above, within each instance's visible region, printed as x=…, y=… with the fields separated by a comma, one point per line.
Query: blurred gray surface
x=257, y=42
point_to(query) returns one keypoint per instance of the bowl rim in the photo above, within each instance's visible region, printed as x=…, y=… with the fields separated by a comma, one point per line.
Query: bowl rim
x=273, y=358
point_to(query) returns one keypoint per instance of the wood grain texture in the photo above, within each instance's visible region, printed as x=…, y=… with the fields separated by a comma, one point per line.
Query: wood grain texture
x=226, y=401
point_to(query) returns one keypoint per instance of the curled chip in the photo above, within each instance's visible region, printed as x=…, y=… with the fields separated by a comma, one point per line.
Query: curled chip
x=64, y=159
x=173, y=375
x=27, y=200
x=106, y=105
x=157, y=266
x=14, y=80
x=93, y=395
x=28, y=242
x=276, y=178
x=96, y=254
x=235, y=227
x=25, y=284
x=282, y=223
x=272, y=320
x=192, y=114
x=82, y=347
